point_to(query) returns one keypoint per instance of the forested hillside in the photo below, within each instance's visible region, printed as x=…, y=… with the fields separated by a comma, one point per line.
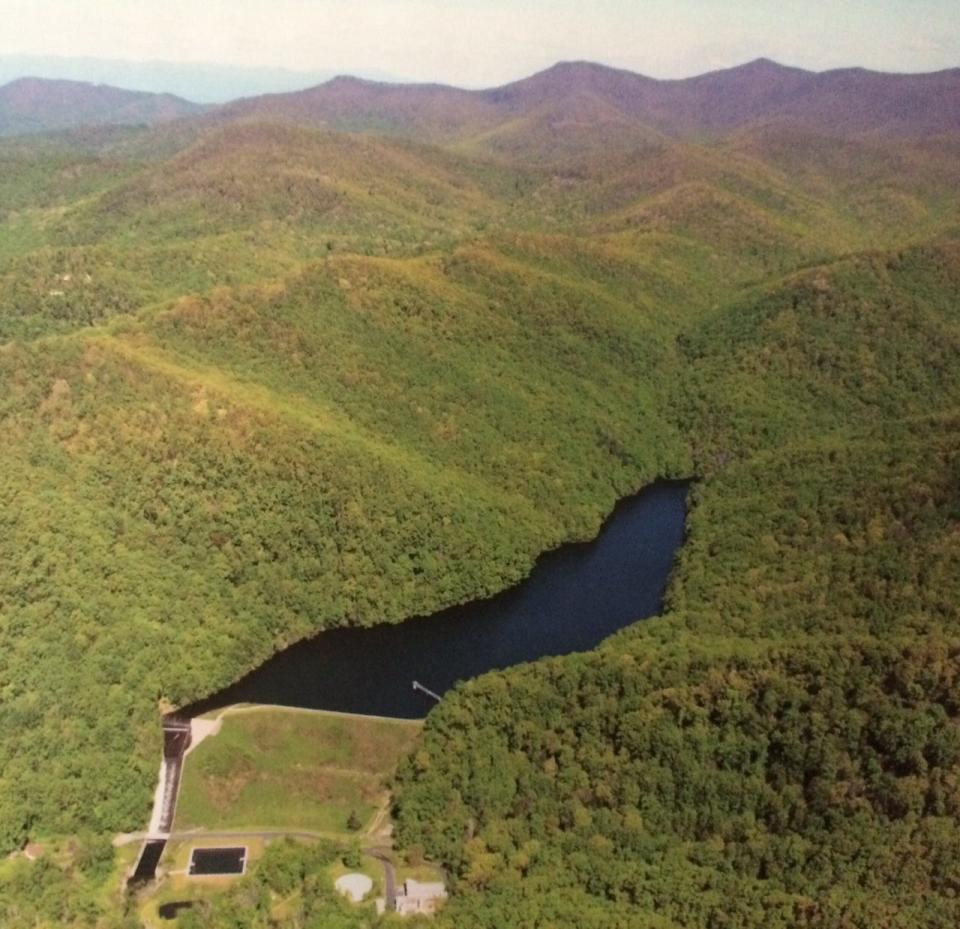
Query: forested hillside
x=259, y=379
x=781, y=748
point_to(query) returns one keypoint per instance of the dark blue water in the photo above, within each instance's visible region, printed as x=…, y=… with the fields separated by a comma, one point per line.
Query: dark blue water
x=149, y=859
x=173, y=909
x=218, y=860
x=575, y=597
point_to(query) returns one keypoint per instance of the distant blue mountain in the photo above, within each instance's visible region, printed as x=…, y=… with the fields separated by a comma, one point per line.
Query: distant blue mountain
x=202, y=83
x=35, y=104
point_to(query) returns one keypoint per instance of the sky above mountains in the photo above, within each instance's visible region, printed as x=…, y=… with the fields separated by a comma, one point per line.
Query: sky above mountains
x=488, y=42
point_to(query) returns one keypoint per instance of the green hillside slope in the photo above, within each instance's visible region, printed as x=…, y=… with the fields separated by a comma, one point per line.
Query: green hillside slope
x=273, y=379
x=782, y=747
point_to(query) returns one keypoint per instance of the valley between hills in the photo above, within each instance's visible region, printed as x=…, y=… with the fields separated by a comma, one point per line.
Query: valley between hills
x=358, y=353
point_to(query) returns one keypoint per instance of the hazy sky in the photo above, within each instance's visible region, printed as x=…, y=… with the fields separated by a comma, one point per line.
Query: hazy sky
x=486, y=42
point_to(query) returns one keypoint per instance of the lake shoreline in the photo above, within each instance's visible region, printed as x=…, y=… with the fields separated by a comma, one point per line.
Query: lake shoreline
x=590, y=589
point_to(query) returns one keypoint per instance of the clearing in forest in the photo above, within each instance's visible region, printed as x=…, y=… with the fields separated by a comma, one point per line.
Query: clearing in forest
x=271, y=768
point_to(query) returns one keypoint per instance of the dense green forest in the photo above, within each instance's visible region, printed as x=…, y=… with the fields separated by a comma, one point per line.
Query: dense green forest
x=260, y=379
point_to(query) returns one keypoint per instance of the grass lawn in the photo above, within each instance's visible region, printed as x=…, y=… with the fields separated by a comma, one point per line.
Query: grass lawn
x=286, y=769
x=424, y=873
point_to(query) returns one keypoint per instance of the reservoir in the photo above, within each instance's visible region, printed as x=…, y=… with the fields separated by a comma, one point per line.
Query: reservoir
x=574, y=598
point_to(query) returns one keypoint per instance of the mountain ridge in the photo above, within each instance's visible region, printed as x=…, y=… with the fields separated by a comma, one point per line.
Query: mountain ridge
x=34, y=104
x=847, y=102
x=201, y=82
